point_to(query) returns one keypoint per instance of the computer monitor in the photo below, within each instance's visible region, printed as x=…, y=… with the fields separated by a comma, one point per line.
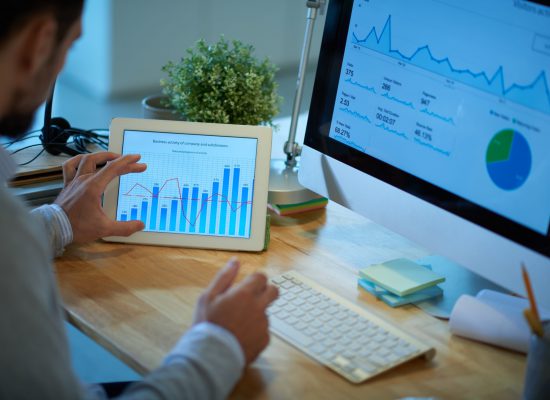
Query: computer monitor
x=432, y=117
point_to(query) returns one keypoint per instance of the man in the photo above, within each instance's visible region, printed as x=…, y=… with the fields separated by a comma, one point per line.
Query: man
x=230, y=325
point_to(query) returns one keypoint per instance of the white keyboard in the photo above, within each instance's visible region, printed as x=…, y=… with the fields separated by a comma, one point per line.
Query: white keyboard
x=337, y=333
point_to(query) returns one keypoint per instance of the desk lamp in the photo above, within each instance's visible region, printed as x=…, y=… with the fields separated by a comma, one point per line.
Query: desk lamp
x=285, y=192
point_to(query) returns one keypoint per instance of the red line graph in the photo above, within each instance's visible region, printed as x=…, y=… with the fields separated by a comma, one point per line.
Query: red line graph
x=221, y=198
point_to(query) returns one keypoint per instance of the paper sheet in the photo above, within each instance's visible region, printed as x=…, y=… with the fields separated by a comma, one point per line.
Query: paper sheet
x=493, y=318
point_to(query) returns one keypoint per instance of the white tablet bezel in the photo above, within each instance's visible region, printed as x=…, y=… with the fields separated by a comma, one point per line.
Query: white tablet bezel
x=261, y=177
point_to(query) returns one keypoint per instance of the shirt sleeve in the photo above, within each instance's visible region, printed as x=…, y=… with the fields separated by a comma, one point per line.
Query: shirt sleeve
x=58, y=226
x=206, y=363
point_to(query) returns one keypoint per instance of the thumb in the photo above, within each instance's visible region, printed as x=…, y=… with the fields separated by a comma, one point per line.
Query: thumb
x=117, y=228
x=224, y=279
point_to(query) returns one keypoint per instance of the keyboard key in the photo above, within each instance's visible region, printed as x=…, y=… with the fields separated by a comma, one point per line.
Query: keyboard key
x=287, y=285
x=282, y=314
x=340, y=361
x=298, y=301
x=316, y=323
x=310, y=331
x=307, y=318
x=367, y=366
x=359, y=374
x=292, y=320
x=383, y=352
x=377, y=360
x=278, y=280
x=289, y=331
x=324, y=318
x=393, y=357
x=318, y=348
x=301, y=326
x=316, y=312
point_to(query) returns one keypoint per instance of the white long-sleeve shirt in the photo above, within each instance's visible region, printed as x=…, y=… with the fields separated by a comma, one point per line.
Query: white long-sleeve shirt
x=206, y=363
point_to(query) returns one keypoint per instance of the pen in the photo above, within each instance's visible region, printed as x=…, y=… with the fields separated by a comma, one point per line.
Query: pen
x=532, y=313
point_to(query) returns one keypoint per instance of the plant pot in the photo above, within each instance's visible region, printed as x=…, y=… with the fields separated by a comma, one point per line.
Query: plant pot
x=153, y=108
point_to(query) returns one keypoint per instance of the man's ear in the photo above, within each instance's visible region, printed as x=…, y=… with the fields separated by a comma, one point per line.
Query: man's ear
x=35, y=45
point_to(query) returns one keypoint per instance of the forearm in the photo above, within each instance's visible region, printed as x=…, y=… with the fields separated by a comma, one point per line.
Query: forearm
x=205, y=364
x=58, y=227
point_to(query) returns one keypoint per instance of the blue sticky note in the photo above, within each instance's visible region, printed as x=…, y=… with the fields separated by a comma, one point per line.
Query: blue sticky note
x=394, y=300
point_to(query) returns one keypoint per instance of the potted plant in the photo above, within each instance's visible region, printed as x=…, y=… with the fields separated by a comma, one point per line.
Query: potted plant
x=221, y=83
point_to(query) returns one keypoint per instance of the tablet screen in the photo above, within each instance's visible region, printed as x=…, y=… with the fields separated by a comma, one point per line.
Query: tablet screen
x=194, y=184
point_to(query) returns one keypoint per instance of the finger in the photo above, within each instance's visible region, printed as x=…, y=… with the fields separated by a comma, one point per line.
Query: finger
x=269, y=295
x=121, y=166
x=256, y=283
x=118, y=228
x=88, y=163
x=69, y=169
x=224, y=279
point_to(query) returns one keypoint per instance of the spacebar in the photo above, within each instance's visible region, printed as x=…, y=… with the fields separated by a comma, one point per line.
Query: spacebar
x=288, y=331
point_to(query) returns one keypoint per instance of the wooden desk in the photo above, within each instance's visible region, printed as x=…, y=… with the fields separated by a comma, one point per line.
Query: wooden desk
x=137, y=300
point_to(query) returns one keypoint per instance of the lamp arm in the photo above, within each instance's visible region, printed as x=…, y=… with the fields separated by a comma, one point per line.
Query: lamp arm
x=291, y=148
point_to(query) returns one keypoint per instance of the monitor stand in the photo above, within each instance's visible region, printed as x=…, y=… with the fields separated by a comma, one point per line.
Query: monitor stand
x=458, y=281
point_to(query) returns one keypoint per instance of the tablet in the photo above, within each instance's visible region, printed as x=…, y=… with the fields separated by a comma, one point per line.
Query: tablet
x=205, y=185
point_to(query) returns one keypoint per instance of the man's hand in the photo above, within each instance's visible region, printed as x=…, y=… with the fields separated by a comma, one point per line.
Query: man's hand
x=81, y=196
x=240, y=308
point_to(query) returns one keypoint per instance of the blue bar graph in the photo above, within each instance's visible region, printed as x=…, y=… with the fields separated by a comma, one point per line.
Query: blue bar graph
x=243, y=219
x=184, y=202
x=194, y=202
x=195, y=208
x=163, y=212
x=234, y=199
x=214, y=208
x=173, y=214
x=224, y=200
x=144, y=206
x=154, y=208
x=204, y=211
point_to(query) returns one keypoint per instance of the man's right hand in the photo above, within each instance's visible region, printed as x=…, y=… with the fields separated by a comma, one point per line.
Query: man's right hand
x=241, y=308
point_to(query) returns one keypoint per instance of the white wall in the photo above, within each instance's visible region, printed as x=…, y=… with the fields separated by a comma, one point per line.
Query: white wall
x=126, y=42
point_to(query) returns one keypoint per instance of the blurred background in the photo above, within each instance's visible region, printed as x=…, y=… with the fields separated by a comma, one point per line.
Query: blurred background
x=125, y=43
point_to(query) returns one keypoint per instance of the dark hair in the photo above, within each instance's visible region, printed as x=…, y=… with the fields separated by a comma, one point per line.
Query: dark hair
x=14, y=14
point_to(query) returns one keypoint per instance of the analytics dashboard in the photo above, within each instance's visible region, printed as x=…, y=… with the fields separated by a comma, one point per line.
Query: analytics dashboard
x=455, y=93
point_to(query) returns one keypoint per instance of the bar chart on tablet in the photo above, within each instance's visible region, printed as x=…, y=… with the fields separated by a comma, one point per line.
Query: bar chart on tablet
x=193, y=184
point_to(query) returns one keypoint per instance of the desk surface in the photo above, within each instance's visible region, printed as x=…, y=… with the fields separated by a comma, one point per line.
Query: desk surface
x=137, y=300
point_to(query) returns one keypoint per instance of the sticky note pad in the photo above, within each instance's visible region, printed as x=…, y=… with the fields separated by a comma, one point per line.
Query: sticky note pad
x=401, y=276
x=394, y=300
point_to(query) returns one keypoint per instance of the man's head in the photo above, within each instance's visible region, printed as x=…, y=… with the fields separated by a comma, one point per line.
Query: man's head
x=35, y=36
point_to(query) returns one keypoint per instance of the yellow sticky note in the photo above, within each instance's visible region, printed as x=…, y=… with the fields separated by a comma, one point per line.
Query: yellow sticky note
x=401, y=276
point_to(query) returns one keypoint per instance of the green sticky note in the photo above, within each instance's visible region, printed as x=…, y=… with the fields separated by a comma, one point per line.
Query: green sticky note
x=401, y=276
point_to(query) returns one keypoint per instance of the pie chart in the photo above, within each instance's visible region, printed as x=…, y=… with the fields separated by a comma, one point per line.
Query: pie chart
x=508, y=159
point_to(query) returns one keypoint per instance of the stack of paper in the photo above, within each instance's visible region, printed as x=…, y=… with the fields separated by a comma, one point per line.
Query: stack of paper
x=401, y=281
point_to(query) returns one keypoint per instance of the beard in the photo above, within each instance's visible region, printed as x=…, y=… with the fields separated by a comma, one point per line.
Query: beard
x=18, y=119
x=14, y=125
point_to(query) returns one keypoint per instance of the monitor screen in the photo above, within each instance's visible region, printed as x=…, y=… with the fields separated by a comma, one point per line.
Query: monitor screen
x=194, y=184
x=446, y=100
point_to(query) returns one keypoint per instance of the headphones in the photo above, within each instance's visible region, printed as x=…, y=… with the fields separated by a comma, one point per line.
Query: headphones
x=57, y=131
